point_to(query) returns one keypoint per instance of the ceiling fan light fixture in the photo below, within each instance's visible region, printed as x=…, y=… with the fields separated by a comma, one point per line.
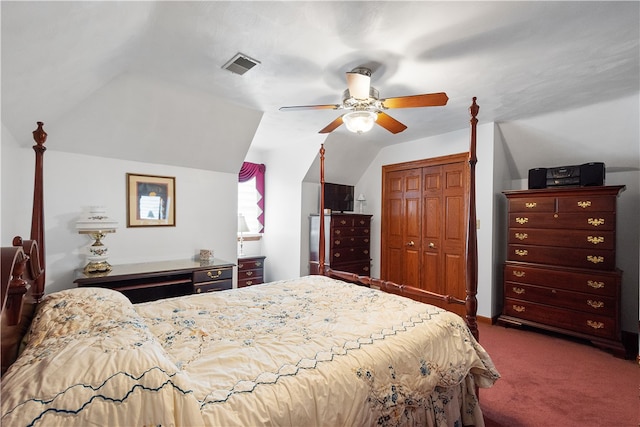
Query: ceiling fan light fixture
x=360, y=121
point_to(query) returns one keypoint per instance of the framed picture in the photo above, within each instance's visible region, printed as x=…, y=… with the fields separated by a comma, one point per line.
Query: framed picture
x=151, y=201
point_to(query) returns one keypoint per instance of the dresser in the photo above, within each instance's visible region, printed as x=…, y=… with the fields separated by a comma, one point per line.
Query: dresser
x=150, y=281
x=250, y=271
x=347, y=243
x=560, y=273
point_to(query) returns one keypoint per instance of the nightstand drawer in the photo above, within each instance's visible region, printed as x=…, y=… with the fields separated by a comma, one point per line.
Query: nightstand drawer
x=218, y=285
x=204, y=276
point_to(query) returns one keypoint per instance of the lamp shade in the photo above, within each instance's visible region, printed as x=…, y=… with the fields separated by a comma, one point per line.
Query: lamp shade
x=242, y=224
x=96, y=220
x=360, y=121
x=361, y=198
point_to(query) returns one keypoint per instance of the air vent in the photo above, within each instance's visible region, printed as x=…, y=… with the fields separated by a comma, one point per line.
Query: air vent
x=240, y=64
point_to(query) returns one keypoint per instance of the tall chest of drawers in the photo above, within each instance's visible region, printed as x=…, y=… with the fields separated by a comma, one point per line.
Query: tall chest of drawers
x=560, y=274
x=347, y=243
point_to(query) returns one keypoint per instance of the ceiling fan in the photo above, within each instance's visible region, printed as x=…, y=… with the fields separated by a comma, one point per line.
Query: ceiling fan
x=364, y=108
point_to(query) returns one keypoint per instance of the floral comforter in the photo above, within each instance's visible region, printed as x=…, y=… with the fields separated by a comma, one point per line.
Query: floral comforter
x=306, y=352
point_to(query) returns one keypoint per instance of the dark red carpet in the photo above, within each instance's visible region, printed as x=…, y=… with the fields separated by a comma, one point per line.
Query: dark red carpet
x=549, y=380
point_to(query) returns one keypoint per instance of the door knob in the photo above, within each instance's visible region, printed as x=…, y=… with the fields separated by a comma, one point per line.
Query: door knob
x=411, y=243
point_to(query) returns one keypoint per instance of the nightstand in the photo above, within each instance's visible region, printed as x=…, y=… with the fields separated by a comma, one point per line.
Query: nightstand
x=250, y=271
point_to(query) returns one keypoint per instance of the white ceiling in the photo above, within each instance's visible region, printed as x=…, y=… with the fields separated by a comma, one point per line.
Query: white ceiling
x=521, y=59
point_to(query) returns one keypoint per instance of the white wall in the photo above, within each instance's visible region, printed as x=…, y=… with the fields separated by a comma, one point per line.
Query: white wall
x=72, y=182
x=370, y=185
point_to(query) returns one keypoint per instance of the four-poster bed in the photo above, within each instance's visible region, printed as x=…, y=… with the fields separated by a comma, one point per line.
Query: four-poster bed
x=308, y=351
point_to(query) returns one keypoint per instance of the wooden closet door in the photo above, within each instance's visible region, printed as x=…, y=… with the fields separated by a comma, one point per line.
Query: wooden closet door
x=402, y=218
x=424, y=225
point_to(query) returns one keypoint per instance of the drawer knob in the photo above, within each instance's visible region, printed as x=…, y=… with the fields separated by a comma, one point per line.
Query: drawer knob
x=595, y=239
x=343, y=222
x=336, y=242
x=337, y=255
x=594, y=284
x=595, y=325
x=530, y=205
x=411, y=243
x=337, y=232
x=595, y=304
x=212, y=276
x=595, y=259
x=519, y=308
x=518, y=273
x=521, y=221
x=198, y=290
x=584, y=205
x=521, y=236
x=519, y=291
x=258, y=264
x=249, y=282
x=249, y=273
x=521, y=252
x=595, y=221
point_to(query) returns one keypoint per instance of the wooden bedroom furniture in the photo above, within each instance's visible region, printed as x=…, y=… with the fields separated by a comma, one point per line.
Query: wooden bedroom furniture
x=560, y=273
x=250, y=271
x=348, y=244
x=423, y=225
x=150, y=281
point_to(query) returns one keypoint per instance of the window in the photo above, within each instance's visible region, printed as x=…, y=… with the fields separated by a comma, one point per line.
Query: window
x=251, y=195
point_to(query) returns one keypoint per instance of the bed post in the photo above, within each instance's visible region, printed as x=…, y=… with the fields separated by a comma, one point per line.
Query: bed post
x=322, y=247
x=37, y=216
x=471, y=302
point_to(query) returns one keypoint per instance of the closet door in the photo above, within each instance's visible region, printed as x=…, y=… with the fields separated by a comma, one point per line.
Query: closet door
x=424, y=225
x=401, y=222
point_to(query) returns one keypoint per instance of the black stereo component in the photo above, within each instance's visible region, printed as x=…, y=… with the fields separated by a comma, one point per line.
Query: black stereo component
x=592, y=174
x=587, y=174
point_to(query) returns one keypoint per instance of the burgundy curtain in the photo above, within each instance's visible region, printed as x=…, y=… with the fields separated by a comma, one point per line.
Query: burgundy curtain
x=248, y=171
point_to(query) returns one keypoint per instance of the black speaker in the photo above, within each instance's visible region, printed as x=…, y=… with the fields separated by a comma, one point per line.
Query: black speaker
x=537, y=178
x=592, y=174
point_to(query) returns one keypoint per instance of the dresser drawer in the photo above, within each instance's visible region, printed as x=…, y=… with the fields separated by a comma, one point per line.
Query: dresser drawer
x=585, y=323
x=587, y=203
x=532, y=204
x=350, y=241
x=582, y=221
x=604, y=284
x=350, y=220
x=362, y=268
x=598, y=239
x=342, y=232
x=250, y=277
x=204, y=276
x=349, y=254
x=570, y=257
x=218, y=285
x=584, y=302
x=251, y=263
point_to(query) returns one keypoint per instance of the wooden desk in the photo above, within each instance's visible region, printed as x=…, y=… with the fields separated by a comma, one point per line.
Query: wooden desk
x=150, y=281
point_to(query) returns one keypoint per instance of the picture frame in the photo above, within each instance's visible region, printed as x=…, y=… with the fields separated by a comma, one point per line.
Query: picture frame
x=151, y=200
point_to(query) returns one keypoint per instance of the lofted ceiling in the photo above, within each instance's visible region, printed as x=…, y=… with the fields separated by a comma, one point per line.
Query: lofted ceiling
x=129, y=65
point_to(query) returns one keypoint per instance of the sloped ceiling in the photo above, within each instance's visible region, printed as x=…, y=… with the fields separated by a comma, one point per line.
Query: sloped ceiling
x=126, y=79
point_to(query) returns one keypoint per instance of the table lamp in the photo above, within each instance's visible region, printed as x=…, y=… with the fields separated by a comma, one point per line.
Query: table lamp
x=96, y=224
x=242, y=228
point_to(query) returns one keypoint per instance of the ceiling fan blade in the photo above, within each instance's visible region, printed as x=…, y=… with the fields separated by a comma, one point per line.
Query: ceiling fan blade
x=389, y=123
x=311, y=107
x=413, y=101
x=332, y=126
x=358, y=85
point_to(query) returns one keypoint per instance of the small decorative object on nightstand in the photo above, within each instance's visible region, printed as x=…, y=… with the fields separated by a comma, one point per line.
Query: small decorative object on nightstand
x=97, y=224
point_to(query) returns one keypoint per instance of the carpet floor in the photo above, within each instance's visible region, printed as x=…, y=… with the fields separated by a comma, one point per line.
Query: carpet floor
x=550, y=380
